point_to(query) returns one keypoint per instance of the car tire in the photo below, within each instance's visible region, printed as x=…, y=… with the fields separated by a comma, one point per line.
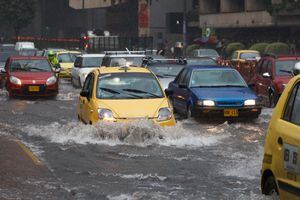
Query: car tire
x=273, y=98
x=270, y=188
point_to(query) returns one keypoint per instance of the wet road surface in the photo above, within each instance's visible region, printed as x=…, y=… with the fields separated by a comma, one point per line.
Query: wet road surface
x=194, y=160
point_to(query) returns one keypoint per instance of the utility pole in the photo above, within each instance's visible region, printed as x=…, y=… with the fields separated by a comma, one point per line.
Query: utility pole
x=184, y=31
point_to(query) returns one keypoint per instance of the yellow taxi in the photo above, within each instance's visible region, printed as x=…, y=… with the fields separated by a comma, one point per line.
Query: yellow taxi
x=123, y=94
x=66, y=60
x=281, y=161
x=244, y=55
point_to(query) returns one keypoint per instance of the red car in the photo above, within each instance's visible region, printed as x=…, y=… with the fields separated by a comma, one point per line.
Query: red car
x=271, y=75
x=30, y=76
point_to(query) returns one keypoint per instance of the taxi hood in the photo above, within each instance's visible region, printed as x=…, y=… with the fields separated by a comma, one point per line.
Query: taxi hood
x=134, y=108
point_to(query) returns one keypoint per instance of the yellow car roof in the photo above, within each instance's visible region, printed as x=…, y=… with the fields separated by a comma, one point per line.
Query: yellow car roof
x=108, y=70
x=247, y=51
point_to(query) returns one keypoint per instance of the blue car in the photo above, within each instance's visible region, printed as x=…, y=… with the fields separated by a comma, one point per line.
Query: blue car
x=204, y=91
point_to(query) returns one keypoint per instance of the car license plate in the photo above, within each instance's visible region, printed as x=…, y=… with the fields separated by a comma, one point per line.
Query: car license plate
x=34, y=88
x=231, y=113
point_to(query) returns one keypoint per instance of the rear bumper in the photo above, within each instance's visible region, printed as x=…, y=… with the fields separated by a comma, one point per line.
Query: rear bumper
x=243, y=112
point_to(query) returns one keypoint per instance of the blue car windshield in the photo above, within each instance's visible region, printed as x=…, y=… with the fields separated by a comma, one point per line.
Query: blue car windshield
x=216, y=78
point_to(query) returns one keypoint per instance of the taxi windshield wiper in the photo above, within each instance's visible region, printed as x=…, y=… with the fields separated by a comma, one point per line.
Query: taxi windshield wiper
x=142, y=92
x=110, y=90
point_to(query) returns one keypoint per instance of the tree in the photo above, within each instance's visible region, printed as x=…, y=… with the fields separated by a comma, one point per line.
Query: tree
x=17, y=13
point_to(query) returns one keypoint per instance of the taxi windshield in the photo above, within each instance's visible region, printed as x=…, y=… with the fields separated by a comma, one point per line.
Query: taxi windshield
x=216, y=78
x=67, y=57
x=92, y=62
x=30, y=66
x=128, y=86
x=251, y=55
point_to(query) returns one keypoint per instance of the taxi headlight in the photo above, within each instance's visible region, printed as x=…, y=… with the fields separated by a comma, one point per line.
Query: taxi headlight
x=105, y=114
x=250, y=102
x=164, y=114
x=208, y=103
x=15, y=80
x=52, y=80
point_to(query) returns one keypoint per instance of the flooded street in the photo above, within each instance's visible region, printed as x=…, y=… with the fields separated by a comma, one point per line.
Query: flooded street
x=194, y=160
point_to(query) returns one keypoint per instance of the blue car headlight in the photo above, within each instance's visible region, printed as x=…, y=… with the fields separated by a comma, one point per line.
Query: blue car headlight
x=250, y=102
x=208, y=103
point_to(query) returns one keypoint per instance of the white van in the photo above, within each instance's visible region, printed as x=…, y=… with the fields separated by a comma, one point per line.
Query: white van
x=24, y=45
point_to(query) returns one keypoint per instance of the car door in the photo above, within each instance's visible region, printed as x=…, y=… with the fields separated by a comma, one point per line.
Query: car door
x=261, y=81
x=76, y=69
x=181, y=91
x=88, y=103
x=83, y=101
x=286, y=157
x=176, y=90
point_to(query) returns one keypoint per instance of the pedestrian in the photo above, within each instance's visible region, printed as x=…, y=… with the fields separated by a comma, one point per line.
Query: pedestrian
x=178, y=50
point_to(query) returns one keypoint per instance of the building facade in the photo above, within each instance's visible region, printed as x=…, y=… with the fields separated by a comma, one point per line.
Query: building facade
x=248, y=20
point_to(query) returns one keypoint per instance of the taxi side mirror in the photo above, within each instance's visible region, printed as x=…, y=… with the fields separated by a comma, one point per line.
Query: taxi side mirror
x=84, y=93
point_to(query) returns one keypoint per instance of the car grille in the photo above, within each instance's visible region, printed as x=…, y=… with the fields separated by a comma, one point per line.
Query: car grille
x=229, y=103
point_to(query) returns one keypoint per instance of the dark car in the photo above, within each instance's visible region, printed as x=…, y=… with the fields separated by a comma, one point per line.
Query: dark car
x=204, y=91
x=271, y=75
x=4, y=55
x=193, y=61
x=30, y=76
x=166, y=69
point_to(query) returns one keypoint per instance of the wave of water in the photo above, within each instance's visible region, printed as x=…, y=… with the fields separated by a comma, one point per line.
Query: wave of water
x=139, y=133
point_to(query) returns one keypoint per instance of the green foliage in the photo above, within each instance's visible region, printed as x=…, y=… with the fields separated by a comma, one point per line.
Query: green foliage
x=17, y=13
x=285, y=5
x=261, y=47
x=189, y=49
x=233, y=47
x=278, y=48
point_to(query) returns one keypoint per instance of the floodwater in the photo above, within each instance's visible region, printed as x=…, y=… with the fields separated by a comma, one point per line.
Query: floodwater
x=193, y=160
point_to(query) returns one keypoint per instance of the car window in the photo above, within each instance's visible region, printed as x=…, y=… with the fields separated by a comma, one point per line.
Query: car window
x=166, y=70
x=186, y=78
x=292, y=111
x=87, y=83
x=128, y=86
x=234, y=55
x=73, y=56
x=78, y=62
x=264, y=68
x=259, y=66
x=91, y=85
x=64, y=58
x=182, y=76
x=284, y=67
x=270, y=68
x=92, y=62
x=30, y=66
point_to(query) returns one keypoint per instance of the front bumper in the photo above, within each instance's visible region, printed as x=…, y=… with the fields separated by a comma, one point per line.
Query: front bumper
x=171, y=122
x=65, y=73
x=44, y=90
x=243, y=112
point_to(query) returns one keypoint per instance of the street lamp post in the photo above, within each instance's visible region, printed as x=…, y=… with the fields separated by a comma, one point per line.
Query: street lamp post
x=184, y=31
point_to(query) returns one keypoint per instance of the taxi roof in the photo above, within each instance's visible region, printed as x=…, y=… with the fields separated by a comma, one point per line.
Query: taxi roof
x=247, y=51
x=108, y=70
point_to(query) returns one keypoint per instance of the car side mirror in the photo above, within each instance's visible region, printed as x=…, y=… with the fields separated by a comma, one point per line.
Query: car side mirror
x=84, y=93
x=77, y=65
x=57, y=69
x=2, y=71
x=266, y=75
x=169, y=92
x=182, y=85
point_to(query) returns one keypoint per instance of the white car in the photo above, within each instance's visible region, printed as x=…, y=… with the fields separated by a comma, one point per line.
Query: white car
x=83, y=65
